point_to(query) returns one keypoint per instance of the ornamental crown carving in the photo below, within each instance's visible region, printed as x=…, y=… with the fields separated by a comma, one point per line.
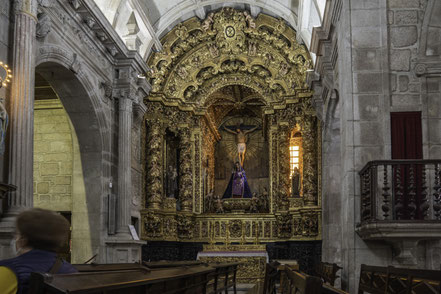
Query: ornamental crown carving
x=229, y=47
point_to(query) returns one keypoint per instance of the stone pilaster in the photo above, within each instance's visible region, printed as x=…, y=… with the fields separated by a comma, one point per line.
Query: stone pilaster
x=22, y=106
x=309, y=160
x=154, y=165
x=283, y=167
x=124, y=165
x=185, y=170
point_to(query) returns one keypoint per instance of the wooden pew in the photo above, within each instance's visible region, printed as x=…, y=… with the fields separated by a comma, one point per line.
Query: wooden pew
x=300, y=283
x=183, y=280
x=327, y=272
x=384, y=280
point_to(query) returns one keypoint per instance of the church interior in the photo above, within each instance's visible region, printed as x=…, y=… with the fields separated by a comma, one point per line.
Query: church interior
x=208, y=146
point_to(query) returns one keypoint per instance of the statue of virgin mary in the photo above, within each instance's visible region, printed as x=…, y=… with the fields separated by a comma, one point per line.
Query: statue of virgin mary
x=238, y=185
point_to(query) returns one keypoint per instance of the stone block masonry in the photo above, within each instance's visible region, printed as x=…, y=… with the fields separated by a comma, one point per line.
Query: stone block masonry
x=53, y=156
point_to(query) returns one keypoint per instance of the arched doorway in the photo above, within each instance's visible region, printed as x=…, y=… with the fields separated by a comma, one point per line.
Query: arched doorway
x=69, y=149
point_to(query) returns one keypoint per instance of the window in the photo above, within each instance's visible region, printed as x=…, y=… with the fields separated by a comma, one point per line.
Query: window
x=294, y=158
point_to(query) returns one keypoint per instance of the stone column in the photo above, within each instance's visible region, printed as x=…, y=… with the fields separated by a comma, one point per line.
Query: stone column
x=309, y=160
x=22, y=106
x=154, y=165
x=124, y=165
x=283, y=167
x=185, y=171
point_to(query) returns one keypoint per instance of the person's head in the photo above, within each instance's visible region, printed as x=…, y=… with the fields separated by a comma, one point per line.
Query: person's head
x=41, y=229
x=237, y=165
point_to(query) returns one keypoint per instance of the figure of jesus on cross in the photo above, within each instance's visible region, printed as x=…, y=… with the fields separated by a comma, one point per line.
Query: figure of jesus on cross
x=241, y=140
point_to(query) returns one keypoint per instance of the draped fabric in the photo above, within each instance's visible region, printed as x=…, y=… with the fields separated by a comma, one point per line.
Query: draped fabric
x=407, y=143
x=238, y=185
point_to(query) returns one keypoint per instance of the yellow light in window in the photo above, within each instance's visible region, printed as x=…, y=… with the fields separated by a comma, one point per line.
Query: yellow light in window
x=295, y=153
x=296, y=160
x=295, y=147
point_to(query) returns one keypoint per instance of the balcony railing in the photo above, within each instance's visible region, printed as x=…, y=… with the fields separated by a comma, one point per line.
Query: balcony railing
x=401, y=190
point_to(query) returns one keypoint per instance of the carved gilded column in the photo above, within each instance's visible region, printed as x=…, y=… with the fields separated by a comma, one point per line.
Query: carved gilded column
x=124, y=165
x=154, y=164
x=283, y=167
x=22, y=106
x=309, y=160
x=185, y=170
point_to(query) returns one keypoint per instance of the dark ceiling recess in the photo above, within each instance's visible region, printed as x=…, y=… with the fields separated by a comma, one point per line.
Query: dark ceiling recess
x=43, y=90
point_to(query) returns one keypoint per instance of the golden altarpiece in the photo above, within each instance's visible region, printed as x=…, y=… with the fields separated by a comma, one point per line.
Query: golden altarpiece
x=226, y=70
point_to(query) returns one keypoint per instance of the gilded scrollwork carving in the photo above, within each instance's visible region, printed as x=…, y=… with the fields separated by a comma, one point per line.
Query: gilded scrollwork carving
x=185, y=226
x=154, y=165
x=309, y=160
x=229, y=44
x=185, y=170
x=283, y=155
x=284, y=226
x=152, y=225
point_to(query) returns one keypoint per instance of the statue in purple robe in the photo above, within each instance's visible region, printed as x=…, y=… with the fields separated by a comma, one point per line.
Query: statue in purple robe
x=238, y=185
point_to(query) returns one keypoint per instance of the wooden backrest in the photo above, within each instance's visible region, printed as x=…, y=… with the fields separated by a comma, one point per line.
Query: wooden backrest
x=412, y=281
x=328, y=289
x=328, y=272
x=302, y=283
x=391, y=280
x=181, y=280
x=372, y=279
x=271, y=275
x=94, y=267
x=171, y=263
x=223, y=278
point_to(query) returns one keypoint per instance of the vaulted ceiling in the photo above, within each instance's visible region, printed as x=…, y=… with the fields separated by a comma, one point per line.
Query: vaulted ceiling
x=154, y=18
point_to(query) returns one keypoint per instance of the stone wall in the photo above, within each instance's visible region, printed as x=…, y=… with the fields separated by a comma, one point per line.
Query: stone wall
x=58, y=175
x=379, y=56
x=53, y=156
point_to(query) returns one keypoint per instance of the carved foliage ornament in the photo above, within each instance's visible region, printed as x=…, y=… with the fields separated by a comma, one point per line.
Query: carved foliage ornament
x=229, y=47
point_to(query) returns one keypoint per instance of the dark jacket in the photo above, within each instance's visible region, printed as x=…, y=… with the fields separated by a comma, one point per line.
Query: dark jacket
x=34, y=261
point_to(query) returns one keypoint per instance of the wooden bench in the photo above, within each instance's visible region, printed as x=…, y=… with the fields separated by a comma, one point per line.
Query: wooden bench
x=383, y=280
x=327, y=272
x=183, y=280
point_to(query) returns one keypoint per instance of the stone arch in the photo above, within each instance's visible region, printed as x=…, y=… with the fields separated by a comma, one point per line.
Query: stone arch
x=82, y=106
x=174, y=15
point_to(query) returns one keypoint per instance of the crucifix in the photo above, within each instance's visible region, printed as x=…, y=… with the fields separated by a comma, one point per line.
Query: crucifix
x=241, y=139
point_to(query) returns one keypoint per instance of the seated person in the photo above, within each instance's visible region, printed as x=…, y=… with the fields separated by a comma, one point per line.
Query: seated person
x=40, y=234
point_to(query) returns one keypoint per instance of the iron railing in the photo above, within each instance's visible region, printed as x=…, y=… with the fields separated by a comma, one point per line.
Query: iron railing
x=395, y=190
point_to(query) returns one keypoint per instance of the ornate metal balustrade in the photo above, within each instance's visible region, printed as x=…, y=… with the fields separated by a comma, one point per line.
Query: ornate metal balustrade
x=394, y=190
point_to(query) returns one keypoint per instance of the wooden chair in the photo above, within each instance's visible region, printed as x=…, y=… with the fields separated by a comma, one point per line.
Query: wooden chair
x=300, y=283
x=183, y=280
